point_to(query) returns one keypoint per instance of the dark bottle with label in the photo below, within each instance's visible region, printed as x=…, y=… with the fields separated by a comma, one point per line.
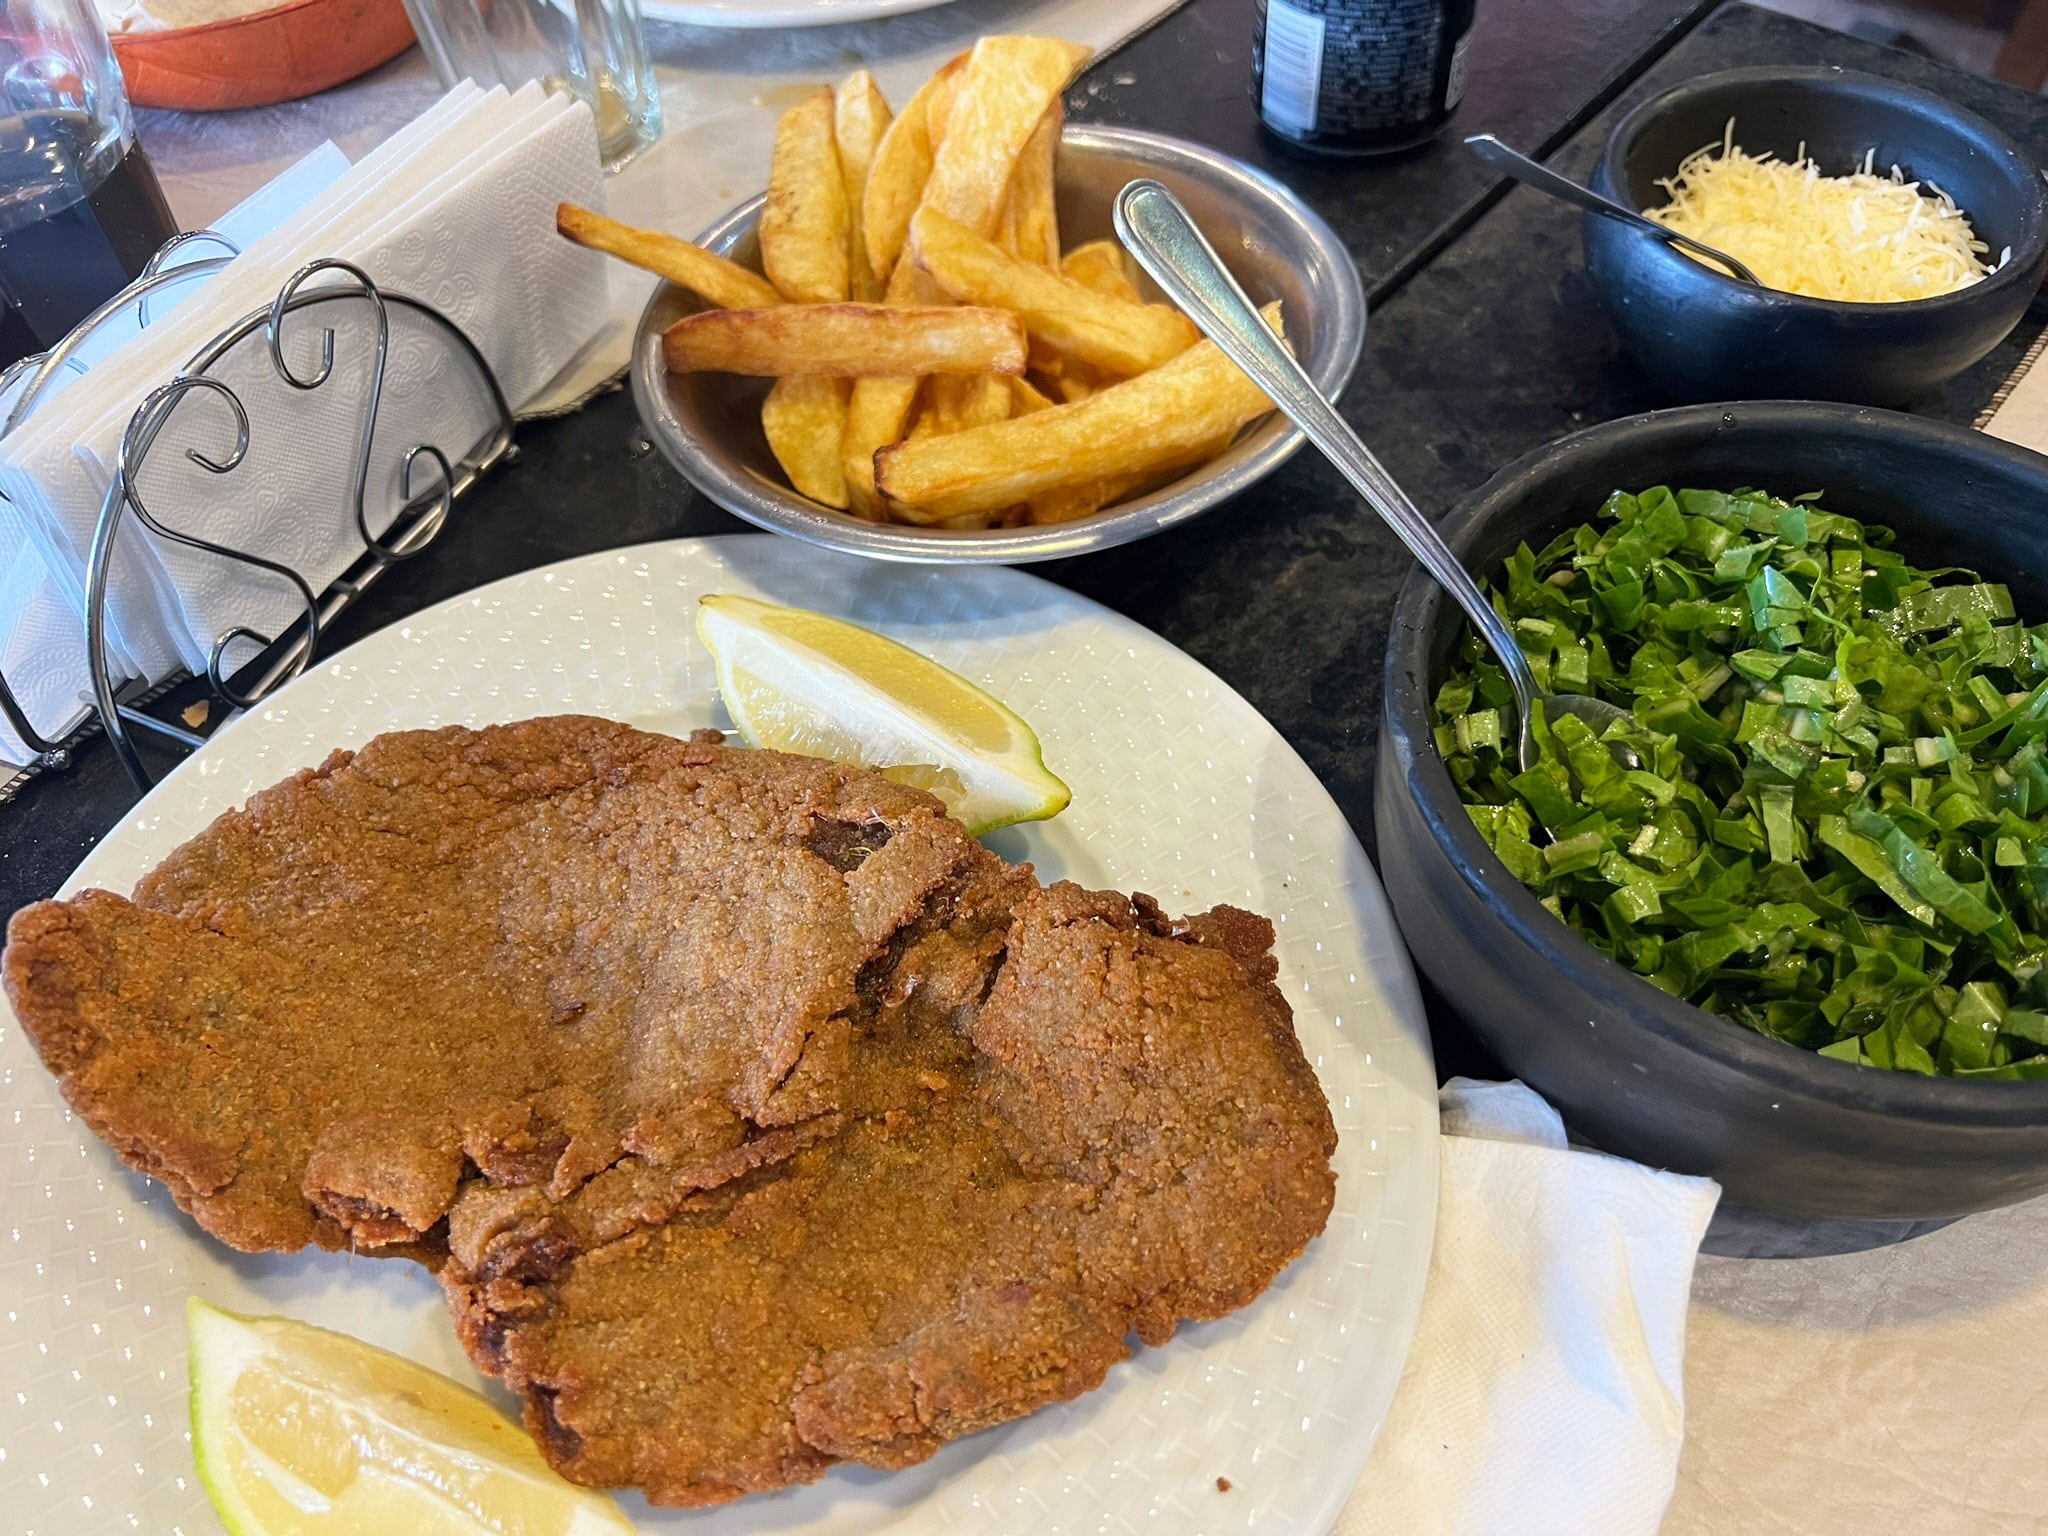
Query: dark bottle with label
x=80, y=208
x=1359, y=77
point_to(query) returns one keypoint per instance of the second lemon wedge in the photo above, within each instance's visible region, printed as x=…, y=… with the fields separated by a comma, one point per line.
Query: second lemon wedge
x=303, y=1432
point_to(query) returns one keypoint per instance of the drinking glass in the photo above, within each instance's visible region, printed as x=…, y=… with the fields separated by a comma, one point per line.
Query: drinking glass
x=80, y=209
x=591, y=49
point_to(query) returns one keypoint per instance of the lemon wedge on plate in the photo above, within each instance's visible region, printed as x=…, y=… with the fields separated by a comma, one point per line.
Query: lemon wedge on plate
x=798, y=681
x=302, y=1432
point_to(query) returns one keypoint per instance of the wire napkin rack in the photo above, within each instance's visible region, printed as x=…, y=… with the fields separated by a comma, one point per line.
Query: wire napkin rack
x=433, y=478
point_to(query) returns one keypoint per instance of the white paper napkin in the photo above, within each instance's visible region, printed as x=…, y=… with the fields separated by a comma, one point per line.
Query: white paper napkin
x=527, y=302
x=456, y=211
x=42, y=638
x=58, y=466
x=1545, y=1390
x=40, y=473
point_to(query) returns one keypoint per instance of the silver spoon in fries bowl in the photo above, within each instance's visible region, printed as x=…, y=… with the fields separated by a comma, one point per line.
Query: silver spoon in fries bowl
x=1158, y=230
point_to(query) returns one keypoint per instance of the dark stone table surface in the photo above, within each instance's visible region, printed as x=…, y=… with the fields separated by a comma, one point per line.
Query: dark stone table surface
x=1485, y=342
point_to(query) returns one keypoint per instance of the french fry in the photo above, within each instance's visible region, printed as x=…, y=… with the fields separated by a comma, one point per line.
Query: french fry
x=1008, y=85
x=879, y=412
x=803, y=419
x=1076, y=381
x=987, y=402
x=860, y=118
x=1006, y=226
x=1069, y=503
x=712, y=278
x=1026, y=398
x=804, y=223
x=845, y=341
x=978, y=115
x=1103, y=266
x=1028, y=211
x=938, y=111
x=959, y=401
x=1111, y=334
x=896, y=176
x=1140, y=425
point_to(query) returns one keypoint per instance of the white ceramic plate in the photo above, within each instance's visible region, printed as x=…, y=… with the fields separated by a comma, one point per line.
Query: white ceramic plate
x=1180, y=789
x=778, y=13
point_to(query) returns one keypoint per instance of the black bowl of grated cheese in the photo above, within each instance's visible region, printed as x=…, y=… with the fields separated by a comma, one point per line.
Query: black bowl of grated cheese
x=1901, y=238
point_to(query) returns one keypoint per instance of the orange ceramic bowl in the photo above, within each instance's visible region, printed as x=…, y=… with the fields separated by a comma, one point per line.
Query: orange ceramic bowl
x=281, y=54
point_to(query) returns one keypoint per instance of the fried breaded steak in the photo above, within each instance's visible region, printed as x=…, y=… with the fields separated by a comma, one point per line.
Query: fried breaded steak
x=753, y=1116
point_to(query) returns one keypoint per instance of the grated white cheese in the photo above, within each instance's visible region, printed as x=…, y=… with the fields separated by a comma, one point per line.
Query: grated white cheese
x=1862, y=238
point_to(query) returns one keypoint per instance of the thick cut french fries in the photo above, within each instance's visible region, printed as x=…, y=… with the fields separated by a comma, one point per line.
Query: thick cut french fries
x=1008, y=85
x=1025, y=398
x=1075, y=381
x=1111, y=334
x=860, y=118
x=938, y=112
x=1141, y=425
x=880, y=410
x=1103, y=266
x=712, y=278
x=977, y=115
x=896, y=178
x=1029, y=215
x=953, y=403
x=803, y=419
x=804, y=224
x=845, y=341
x=878, y=413
x=1070, y=503
x=807, y=250
x=922, y=323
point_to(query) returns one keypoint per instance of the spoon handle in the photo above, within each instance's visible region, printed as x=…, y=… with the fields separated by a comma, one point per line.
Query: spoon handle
x=1540, y=176
x=1536, y=174
x=1158, y=230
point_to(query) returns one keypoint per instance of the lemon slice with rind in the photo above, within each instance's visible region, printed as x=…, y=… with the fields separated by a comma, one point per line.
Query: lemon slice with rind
x=302, y=1432
x=799, y=681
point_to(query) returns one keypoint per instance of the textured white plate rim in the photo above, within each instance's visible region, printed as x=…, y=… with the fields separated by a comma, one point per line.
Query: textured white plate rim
x=1406, y=1202
x=779, y=13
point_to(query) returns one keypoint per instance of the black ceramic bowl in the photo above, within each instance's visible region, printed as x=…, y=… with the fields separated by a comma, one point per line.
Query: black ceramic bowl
x=1704, y=336
x=1633, y=1069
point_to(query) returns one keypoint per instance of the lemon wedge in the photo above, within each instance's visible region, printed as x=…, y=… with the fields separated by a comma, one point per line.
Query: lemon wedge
x=302, y=1432
x=798, y=681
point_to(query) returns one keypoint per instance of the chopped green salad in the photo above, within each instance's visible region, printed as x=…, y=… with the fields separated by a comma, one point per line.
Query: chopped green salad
x=1838, y=832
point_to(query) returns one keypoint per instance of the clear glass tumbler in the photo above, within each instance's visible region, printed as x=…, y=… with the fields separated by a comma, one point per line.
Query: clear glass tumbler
x=80, y=208
x=594, y=50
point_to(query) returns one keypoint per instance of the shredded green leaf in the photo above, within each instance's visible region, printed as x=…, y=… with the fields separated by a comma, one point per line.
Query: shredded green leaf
x=1838, y=832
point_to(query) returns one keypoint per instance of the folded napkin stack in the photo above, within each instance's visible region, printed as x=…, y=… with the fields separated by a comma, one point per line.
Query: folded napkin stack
x=455, y=210
x=1545, y=1390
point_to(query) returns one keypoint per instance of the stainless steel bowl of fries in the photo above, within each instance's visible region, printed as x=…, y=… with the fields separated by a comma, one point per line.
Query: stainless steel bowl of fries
x=946, y=356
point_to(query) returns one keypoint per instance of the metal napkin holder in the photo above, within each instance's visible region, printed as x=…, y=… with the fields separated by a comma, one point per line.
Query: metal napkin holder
x=423, y=513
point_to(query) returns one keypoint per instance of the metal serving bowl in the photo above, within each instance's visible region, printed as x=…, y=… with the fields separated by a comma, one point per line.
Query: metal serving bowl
x=709, y=424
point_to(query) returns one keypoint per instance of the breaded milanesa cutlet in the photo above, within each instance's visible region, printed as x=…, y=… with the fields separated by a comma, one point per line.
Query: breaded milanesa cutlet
x=753, y=1116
